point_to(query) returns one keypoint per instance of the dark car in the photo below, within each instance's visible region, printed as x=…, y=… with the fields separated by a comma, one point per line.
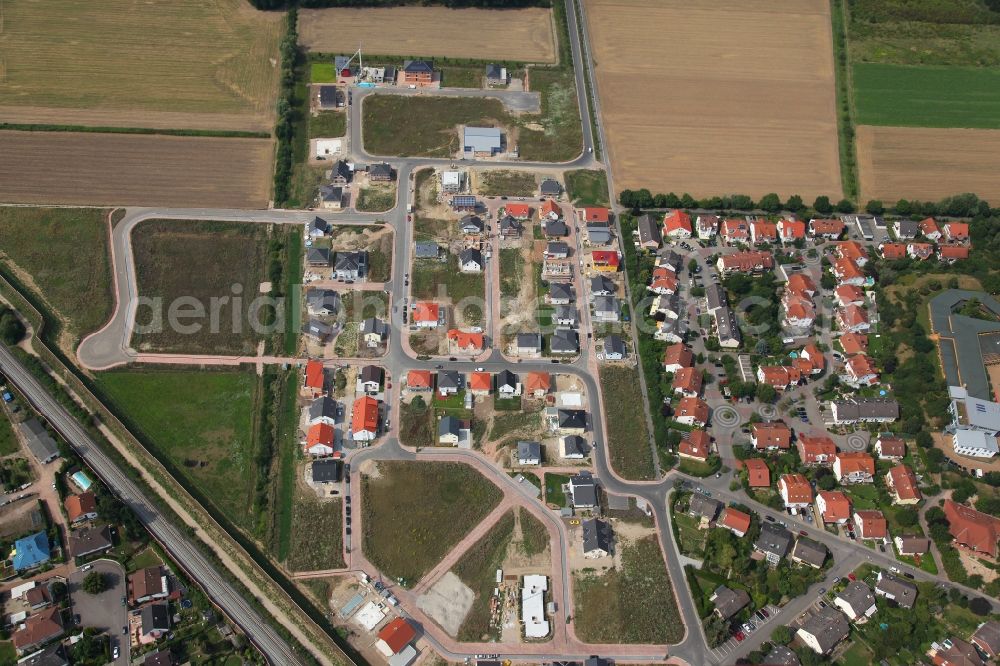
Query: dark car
x=769, y=519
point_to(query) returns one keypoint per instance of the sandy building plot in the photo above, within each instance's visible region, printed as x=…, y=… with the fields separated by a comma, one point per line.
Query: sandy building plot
x=717, y=97
x=448, y=601
x=524, y=35
x=207, y=64
x=132, y=169
x=927, y=164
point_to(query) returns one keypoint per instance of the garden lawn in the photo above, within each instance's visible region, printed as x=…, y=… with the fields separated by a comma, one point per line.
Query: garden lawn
x=477, y=569
x=200, y=423
x=78, y=286
x=628, y=437
x=322, y=72
x=554, y=493
x=511, y=272
x=898, y=95
x=634, y=604
x=317, y=535
x=8, y=441
x=328, y=125
x=441, y=503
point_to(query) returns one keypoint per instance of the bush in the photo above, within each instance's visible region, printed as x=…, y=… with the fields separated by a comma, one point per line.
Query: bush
x=11, y=329
x=94, y=583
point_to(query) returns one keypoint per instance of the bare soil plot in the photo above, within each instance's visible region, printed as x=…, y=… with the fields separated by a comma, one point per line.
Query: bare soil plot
x=206, y=64
x=927, y=163
x=134, y=169
x=715, y=97
x=524, y=35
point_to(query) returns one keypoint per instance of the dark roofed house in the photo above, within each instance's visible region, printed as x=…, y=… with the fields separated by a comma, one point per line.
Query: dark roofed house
x=649, y=232
x=317, y=227
x=614, y=348
x=529, y=343
x=571, y=420
x=781, y=655
x=331, y=197
x=426, y=250
x=902, y=591
x=341, y=173
x=461, y=202
x=471, y=224
x=561, y=294
x=773, y=542
x=155, y=619
x=824, y=630
x=583, y=490
x=955, y=652
x=555, y=229
x=327, y=470
x=857, y=601
x=318, y=256
x=350, y=265
x=987, y=637
x=550, y=188
x=40, y=443
x=322, y=302
x=160, y=658
x=328, y=97
x=89, y=540
x=729, y=602
x=317, y=329
x=52, y=655
x=510, y=227
x=529, y=453
x=597, y=538
x=496, y=75
x=564, y=341
x=808, y=551
x=602, y=285
x=704, y=507
x=380, y=172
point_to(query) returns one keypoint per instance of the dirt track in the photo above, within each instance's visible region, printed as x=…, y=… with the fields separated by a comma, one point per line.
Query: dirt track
x=126, y=169
x=927, y=164
x=717, y=97
x=523, y=35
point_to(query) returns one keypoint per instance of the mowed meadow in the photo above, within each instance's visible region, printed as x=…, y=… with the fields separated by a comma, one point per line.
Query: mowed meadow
x=717, y=97
x=523, y=35
x=177, y=64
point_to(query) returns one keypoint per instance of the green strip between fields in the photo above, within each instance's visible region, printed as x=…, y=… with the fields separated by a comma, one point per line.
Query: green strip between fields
x=40, y=127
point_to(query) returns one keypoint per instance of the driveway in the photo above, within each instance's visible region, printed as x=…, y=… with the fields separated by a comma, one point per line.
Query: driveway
x=103, y=611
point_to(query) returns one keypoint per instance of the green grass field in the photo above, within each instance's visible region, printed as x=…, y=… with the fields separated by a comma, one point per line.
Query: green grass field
x=415, y=512
x=587, y=187
x=477, y=569
x=461, y=76
x=8, y=655
x=322, y=72
x=328, y=125
x=632, y=605
x=927, y=96
x=79, y=288
x=429, y=276
x=504, y=182
x=201, y=422
x=553, y=488
x=628, y=435
x=203, y=261
x=376, y=199
x=317, y=535
x=534, y=536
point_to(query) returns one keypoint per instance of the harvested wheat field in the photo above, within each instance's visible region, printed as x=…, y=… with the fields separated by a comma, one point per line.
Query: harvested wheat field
x=203, y=64
x=718, y=97
x=524, y=35
x=134, y=169
x=927, y=164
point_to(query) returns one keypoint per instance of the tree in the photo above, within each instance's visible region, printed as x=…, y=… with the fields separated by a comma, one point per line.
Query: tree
x=906, y=517
x=874, y=207
x=770, y=203
x=795, y=204
x=693, y=265
x=94, y=583
x=845, y=206
x=766, y=393
x=823, y=205
x=11, y=329
x=781, y=635
x=826, y=482
x=58, y=590
x=716, y=630
x=903, y=207
x=980, y=606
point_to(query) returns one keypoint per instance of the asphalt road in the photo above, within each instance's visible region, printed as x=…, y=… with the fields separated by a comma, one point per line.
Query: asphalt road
x=177, y=543
x=104, y=611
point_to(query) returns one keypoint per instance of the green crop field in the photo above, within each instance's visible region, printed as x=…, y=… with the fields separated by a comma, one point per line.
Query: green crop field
x=415, y=512
x=898, y=95
x=201, y=422
x=207, y=64
x=77, y=289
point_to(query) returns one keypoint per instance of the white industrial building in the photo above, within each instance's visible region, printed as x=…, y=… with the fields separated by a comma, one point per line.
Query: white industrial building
x=533, y=606
x=974, y=443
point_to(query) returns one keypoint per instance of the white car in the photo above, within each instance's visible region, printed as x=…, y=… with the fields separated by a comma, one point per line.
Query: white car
x=114, y=653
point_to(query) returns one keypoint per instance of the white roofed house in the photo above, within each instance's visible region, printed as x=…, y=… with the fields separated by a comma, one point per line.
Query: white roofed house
x=482, y=141
x=470, y=261
x=533, y=606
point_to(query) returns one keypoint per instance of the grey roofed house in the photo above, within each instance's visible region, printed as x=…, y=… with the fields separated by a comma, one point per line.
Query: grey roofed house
x=597, y=536
x=956, y=652
x=828, y=626
x=725, y=324
x=971, y=339
x=564, y=341
x=810, y=552
x=729, y=602
x=557, y=249
x=317, y=227
x=449, y=425
x=482, y=140
x=510, y=226
x=322, y=301
x=614, y=347
x=583, y=489
x=426, y=250
x=906, y=228
x=550, y=188
x=326, y=471
x=449, y=379
x=463, y=202
x=595, y=661
x=494, y=72
x=380, y=171
x=987, y=637
x=161, y=658
x=322, y=408
x=340, y=63
x=155, y=617
x=318, y=256
x=649, y=230
x=572, y=419
x=350, y=264
x=389, y=74
x=341, y=173
x=317, y=329
x=716, y=296
x=506, y=378
x=671, y=260
x=331, y=193
x=373, y=326
x=781, y=655
x=598, y=233
x=858, y=597
x=606, y=304
x=88, y=540
x=911, y=545
x=574, y=444
x=532, y=341
x=865, y=409
x=53, y=655
x=900, y=590
x=555, y=228
x=371, y=373
x=470, y=256
x=704, y=506
x=471, y=224
x=565, y=315
x=773, y=541
x=561, y=292
x=40, y=443
x=601, y=285
x=529, y=453
x=969, y=412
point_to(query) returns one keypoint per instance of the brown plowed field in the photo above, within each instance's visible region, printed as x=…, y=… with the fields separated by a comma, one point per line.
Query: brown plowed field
x=525, y=35
x=139, y=170
x=927, y=163
x=717, y=96
x=203, y=64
